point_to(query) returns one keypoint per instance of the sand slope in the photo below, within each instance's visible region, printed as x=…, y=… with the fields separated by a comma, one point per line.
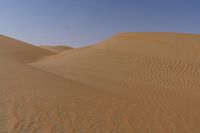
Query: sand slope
x=33, y=101
x=56, y=49
x=157, y=73
x=21, y=51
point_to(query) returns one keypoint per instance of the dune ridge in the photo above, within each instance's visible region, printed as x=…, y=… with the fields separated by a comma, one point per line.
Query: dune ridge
x=170, y=45
x=56, y=49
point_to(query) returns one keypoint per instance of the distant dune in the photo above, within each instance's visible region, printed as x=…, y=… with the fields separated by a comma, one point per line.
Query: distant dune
x=130, y=83
x=21, y=51
x=56, y=49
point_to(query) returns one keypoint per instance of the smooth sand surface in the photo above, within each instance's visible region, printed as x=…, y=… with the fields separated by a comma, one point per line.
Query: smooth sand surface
x=56, y=49
x=130, y=83
x=21, y=51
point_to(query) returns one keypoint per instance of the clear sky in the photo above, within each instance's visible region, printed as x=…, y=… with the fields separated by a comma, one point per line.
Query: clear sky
x=81, y=22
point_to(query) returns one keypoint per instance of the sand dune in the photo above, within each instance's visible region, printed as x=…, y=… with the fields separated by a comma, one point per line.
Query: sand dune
x=130, y=83
x=21, y=51
x=170, y=45
x=56, y=49
x=159, y=72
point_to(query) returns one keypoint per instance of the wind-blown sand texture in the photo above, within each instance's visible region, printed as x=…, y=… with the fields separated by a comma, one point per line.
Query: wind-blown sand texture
x=130, y=83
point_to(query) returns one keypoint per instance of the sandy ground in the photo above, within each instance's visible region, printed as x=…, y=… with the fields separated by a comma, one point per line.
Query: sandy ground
x=130, y=83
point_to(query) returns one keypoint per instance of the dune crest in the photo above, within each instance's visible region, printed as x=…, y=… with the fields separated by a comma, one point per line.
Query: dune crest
x=173, y=45
x=56, y=49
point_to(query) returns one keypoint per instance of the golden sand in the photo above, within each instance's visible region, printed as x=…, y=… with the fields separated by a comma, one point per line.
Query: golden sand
x=130, y=83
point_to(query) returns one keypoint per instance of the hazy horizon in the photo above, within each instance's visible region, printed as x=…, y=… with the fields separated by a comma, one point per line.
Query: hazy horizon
x=78, y=23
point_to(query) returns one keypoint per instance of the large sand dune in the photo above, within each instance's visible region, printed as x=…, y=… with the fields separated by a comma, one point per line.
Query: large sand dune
x=130, y=83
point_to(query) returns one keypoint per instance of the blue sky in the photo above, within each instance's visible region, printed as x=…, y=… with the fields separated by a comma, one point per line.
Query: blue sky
x=83, y=22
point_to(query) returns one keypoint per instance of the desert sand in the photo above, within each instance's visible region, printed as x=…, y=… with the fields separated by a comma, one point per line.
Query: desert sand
x=56, y=49
x=130, y=83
